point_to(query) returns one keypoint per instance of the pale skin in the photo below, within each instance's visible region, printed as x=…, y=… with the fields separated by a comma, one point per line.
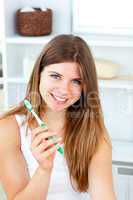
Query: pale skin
x=13, y=171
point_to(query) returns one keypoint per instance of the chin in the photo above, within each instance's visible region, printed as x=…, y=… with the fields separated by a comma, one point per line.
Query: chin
x=56, y=109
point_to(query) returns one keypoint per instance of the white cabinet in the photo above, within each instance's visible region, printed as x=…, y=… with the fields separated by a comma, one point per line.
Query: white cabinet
x=123, y=170
x=123, y=180
x=103, y=17
x=105, y=21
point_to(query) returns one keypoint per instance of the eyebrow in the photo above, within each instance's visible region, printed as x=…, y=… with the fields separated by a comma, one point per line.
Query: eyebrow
x=62, y=75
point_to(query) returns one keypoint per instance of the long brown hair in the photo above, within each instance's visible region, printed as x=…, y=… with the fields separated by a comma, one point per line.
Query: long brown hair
x=84, y=128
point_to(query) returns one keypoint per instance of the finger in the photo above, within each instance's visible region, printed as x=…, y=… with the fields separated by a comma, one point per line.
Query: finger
x=37, y=131
x=61, y=142
x=50, y=151
x=51, y=142
x=44, y=147
x=45, y=135
x=38, y=140
x=41, y=147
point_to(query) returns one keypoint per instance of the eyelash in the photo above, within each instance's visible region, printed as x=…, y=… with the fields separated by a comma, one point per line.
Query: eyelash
x=57, y=76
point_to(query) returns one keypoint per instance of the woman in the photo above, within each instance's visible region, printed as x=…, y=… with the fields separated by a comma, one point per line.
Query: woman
x=63, y=91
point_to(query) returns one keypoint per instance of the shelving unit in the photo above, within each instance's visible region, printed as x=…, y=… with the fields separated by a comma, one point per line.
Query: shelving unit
x=15, y=48
x=17, y=39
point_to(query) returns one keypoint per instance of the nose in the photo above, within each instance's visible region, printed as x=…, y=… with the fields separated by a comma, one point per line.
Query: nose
x=65, y=89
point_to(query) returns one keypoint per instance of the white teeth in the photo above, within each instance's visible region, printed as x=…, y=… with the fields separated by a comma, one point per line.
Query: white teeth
x=59, y=99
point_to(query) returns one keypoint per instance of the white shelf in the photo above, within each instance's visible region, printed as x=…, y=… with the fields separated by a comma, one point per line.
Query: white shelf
x=1, y=80
x=0, y=47
x=122, y=151
x=116, y=84
x=18, y=39
x=110, y=43
x=16, y=80
x=106, y=41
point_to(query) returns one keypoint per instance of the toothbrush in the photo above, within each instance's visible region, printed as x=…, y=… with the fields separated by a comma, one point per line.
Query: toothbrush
x=41, y=123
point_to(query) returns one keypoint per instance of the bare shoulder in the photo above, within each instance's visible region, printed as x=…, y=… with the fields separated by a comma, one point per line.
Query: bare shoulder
x=14, y=174
x=102, y=159
x=9, y=132
x=100, y=172
x=104, y=151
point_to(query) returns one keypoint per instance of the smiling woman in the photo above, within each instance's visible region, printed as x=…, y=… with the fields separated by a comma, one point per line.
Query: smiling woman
x=63, y=91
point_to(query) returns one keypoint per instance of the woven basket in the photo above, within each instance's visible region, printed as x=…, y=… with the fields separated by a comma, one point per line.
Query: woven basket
x=35, y=23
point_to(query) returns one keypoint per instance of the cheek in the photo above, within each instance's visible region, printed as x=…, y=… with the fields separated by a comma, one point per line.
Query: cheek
x=44, y=86
x=45, y=89
x=76, y=96
x=42, y=90
x=76, y=93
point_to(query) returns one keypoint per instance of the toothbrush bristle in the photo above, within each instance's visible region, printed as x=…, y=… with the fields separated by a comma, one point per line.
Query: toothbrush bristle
x=28, y=105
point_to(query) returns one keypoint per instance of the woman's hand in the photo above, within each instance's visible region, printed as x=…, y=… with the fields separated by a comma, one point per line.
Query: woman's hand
x=42, y=148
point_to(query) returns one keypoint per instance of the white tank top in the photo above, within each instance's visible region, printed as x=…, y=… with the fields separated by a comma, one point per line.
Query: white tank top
x=60, y=186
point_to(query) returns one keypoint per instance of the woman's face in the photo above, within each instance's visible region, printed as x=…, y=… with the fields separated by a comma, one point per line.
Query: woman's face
x=60, y=85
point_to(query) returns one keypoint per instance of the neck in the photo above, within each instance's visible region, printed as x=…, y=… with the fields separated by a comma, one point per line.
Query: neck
x=54, y=120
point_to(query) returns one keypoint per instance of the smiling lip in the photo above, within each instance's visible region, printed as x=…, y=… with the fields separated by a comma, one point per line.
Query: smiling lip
x=59, y=99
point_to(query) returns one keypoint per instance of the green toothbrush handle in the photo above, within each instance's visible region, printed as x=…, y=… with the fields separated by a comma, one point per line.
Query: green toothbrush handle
x=59, y=149
x=43, y=125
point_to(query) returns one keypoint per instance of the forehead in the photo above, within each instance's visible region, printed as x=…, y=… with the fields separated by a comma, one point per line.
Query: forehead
x=66, y=68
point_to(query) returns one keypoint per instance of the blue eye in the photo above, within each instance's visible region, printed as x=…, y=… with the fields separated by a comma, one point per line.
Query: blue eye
x=55, y=76
x=77, y=82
